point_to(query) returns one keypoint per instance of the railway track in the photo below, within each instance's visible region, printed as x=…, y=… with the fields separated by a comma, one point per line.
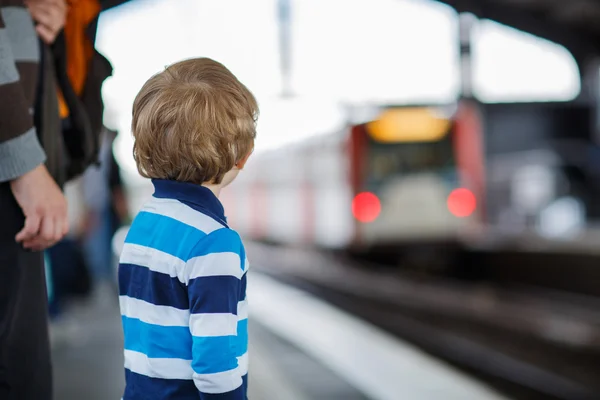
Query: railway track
x=530, y=344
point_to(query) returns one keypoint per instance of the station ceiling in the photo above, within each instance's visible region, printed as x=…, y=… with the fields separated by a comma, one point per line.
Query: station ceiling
x=574, y=24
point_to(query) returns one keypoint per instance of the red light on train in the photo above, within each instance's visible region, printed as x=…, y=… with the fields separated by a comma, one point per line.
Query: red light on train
x=366, y=207
x=462, y=202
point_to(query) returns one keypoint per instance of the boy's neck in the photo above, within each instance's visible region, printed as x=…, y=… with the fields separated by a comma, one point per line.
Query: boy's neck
x=216, y=189
x=227, y=179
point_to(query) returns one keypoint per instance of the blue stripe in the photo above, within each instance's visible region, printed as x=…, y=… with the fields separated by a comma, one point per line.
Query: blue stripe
x=178, y=239
x=153, y=287
x=214, y=354
x=221, y=241
x=144, y=387
x=243, y=255
x=157, y=341
x=242, y=338
x=214, y=294
x=164, y=233
x=237, y=394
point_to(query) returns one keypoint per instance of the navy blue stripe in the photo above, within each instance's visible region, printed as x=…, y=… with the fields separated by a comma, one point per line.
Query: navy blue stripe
x=243, y=285
x=195, y=196
x=220, y=218
x=237, y=394
x=214, y=294
x=154, y=287
x=141, y=387
x=157, y=341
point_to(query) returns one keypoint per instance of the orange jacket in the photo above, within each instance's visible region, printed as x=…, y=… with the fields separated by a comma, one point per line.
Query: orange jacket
x=80, y=47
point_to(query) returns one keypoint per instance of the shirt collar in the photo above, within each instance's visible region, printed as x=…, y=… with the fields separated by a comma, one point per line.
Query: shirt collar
x=198, y=197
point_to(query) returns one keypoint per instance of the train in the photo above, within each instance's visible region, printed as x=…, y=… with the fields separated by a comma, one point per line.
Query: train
x=391, y=175
x=466, y=175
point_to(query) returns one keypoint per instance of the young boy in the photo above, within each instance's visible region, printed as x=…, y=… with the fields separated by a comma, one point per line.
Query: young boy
x=182, y=272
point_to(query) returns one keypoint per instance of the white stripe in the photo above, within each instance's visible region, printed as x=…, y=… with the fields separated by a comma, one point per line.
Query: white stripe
x=164, y=368
x=242, y=310
x=203, y=325
x=177, y=210
x=243, y=364
x=221, y=382
x=153, y=314
x=155, y=260
x=214, y=264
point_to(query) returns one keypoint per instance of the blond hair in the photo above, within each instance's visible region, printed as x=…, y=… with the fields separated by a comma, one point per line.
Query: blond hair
x=193, y=122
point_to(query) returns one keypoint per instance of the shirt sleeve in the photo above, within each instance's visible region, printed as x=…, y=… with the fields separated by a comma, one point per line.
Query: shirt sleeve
x=214, y=275
x=20, y=150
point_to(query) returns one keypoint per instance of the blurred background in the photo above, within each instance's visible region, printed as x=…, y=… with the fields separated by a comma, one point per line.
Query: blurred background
x=421, y=211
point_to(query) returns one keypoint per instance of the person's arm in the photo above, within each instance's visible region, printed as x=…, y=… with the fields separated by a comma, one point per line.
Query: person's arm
x=20, y=150
x=21, y=155
x=213, y=289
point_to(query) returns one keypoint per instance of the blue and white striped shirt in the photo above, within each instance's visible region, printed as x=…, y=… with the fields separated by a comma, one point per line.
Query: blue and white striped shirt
x=182, y=283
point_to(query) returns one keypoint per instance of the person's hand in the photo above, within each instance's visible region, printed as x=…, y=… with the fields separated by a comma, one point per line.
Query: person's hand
x=45, y=209
x=50, y=17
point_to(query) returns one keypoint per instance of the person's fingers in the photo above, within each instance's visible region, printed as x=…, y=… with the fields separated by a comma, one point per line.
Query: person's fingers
x=47, y=229
x=65, y=227
x=61, y=6
x=30, y=230
x=42, y=13
x=36, y=245
x=47, y=235
x=58, y=229
x=51, y=16
x=63, y=217
x=45, y=33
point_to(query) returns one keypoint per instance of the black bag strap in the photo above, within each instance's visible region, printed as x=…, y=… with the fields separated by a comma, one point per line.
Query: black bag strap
x=81, y=142
x=47, y=119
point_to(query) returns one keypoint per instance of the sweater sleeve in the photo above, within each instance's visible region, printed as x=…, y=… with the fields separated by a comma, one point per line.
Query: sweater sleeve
x=214, y=288
x=20, y=149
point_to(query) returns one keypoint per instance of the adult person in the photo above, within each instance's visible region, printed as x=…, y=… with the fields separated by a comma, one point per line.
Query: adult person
x=75, y=70
x=33, y=210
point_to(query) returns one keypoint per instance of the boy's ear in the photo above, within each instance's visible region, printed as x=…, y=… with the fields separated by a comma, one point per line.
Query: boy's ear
x=240, y=164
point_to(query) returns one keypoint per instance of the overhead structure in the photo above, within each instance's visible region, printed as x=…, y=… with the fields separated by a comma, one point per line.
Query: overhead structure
x=573, y=24
x=106, y=4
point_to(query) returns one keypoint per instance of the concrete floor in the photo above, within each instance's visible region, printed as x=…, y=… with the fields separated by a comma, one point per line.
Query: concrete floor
x=88, y=360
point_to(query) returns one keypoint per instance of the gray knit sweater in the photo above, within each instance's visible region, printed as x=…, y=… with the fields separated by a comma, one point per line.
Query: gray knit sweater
x=20, y=150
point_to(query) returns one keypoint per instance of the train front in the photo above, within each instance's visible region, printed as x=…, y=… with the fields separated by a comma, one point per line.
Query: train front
x=410, y=183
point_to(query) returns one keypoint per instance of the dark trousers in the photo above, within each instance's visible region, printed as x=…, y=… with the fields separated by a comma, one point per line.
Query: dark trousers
x=25, y=369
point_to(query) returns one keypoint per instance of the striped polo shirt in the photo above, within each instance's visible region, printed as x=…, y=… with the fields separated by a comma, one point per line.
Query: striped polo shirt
x=182, y=283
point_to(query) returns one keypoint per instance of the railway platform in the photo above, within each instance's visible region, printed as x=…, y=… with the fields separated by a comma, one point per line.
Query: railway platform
x=300, y=349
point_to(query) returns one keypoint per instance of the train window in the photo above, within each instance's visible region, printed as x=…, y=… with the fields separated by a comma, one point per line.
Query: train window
x=513, y=66
x=388, y=161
